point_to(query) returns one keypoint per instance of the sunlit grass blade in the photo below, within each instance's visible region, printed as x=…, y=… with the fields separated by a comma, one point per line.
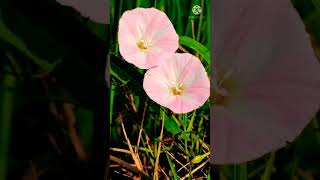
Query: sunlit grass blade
x=112, y=96
x=173, y=168
x=269, y=167
x=195, y=45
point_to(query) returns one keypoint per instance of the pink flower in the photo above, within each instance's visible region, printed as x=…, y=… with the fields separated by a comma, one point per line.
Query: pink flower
x=180, y=83
x=146, y=37
x=267, y=79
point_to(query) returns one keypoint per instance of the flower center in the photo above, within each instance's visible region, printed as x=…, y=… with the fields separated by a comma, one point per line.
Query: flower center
x=223, y=90
x=222, y=94
x=177, y=89
x=143, y=44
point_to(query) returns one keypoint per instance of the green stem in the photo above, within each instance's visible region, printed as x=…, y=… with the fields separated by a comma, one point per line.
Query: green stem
x=112, y=95
x=240, y=172
x=7, y=85
x=179, y=18
x=269, y=167
x=200, y=21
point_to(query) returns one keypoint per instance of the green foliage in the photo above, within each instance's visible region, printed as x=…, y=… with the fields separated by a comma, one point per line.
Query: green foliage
x=171, y=125
x=198, y=47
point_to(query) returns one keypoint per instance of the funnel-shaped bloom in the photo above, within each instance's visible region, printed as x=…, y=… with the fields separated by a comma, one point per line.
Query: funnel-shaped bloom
x=266, y=79
x=146, y=37
x=180, y=83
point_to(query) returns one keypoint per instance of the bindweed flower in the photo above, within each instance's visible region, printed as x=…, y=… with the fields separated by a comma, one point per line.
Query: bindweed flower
x=180, y=83
x=266, y=79
x=146, y=37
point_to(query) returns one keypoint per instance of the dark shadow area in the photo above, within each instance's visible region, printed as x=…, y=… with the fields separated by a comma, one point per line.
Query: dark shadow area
x=54, y=97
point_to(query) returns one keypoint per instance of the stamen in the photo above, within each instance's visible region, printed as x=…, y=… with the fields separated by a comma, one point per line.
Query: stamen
x=143, y=44
x=223, y=89
x=177, y=89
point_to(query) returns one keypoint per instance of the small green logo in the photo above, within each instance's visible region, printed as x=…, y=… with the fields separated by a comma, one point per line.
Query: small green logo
x=196, y=10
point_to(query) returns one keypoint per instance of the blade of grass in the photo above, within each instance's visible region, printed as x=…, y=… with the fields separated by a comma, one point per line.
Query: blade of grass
x=240, y=172
x=195, y=170
x=7, y=97
x=120, y=150
x=179, y=17
x=141, y=126
x=134, y=157
x=200, y=22
x=182, y=166
x=173, y=168
x=195, y=45
x=190, y=126
x=208, y=32
x=156, y=169
x=112, y=95
x=9, y=37
x=269, y=167
x=128, y=166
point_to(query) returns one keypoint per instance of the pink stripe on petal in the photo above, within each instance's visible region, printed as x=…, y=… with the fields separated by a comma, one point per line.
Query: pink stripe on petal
x=150, y=32
x=159, y=82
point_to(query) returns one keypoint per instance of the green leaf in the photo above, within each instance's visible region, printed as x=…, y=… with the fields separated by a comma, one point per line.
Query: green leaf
x=9, y=37
x=209, y=177
x=126, y=74
x=173, y=168
x=100, y=30
x=171, y=125
x=240, y=172
x=184, y=121
x=185, y=136
x=195, y=45
x=199, y=158
x=190, y=126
